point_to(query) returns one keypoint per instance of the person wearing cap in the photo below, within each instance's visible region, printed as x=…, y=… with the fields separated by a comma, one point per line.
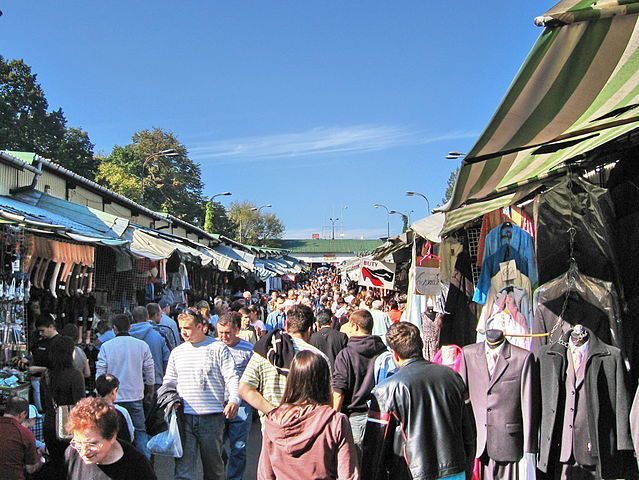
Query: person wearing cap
x=18, y=453
x=167, y=321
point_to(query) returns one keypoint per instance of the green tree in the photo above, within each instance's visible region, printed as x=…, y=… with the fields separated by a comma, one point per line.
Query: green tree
x=26, y=124
x=216, y=220
x=252, y=227
x=450, y=185
x=155, y=170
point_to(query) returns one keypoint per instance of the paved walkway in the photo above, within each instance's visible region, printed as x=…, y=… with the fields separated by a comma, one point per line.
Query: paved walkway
x=164, y=465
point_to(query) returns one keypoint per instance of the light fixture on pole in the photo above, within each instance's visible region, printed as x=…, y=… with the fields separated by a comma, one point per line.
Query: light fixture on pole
x=405, y=217
x=223, y=194
x=379, y=205
x=333, y=221
x=169, y=152
x=454, y=155
x=253, y=209
x=417, y=194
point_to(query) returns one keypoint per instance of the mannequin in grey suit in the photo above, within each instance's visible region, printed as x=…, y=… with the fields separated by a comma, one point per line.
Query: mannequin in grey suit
x=505, y=404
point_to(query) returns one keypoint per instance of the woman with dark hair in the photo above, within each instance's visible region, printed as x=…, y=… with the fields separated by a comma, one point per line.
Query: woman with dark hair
x=95, y=451
x=304, y=437
x=62, y=384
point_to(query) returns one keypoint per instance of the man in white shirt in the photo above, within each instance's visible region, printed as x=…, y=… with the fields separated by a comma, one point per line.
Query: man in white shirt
x=202, y=370
x=130, y=360
x=381, y=320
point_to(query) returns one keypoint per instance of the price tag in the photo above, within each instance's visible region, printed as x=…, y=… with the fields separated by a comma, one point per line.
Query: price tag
x=508, y=270
x=15, y=265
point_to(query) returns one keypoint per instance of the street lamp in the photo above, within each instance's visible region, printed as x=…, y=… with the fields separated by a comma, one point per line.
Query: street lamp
x=169, y=152
x=405, y=218
x=417, y=194
x=379, y=205
x=223, y=194
x=454, y=155
x=333, y=221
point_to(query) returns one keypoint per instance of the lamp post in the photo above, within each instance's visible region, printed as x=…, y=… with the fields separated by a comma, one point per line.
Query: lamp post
x=333, y=221
x=405, y=217
x=454, y=155
x=223, y=194
x=417, y=194
x=379, y=205
x=169, y=152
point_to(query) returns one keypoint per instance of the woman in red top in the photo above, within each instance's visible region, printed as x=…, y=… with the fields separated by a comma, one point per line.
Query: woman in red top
x=304, y=437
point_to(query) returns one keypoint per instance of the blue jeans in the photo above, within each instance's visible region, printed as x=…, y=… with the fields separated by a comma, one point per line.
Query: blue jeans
x=358, y=427
x=204, y=433
x=237, y=431
x=136, y=410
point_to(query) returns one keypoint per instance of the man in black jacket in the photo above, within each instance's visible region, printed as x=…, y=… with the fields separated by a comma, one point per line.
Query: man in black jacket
x=354, y=373
x=427, y=402
x=327, y=339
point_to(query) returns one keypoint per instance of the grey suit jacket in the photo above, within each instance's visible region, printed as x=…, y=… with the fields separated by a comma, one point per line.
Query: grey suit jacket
x=505, y=406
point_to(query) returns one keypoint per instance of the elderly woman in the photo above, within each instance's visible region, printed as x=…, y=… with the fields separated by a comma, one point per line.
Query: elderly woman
x=95, y=451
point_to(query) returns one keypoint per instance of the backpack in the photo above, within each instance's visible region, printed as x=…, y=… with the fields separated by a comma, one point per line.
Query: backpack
x=167, y=335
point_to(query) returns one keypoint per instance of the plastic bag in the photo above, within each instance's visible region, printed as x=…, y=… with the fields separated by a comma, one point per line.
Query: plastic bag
x=168, y=442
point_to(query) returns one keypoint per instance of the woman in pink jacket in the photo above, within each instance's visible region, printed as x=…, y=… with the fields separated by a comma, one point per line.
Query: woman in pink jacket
x=304, y=438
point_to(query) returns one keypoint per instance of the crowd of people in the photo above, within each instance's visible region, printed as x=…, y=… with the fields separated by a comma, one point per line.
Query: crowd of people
x=338, y=381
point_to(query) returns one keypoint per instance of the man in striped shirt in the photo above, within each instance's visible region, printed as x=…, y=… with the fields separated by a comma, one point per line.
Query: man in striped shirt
x=237, y=428
x=202, y=370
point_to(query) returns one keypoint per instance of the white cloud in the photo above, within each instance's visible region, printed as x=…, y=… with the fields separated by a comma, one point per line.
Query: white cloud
x=317, y=141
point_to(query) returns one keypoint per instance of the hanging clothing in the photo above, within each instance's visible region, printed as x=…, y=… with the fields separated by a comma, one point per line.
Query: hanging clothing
x=594, y=304
x=509, y=307
x=491, y=267
x=449, y=250
x=592, y=214
x=495, y=218
x=460, y=320
x=431, y=327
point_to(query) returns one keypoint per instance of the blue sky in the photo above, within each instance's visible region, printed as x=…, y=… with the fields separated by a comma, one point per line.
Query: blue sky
x=309, y=106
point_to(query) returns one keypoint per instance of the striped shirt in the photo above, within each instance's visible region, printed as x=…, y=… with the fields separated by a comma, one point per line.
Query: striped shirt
x=202, y=371
x=242, y=353
x=262, y=375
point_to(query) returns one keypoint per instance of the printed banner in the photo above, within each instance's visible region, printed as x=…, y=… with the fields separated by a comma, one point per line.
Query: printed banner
x=377, y=274
x=427, y=281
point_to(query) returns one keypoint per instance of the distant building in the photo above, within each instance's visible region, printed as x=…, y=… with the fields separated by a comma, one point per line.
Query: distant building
x=333, y=252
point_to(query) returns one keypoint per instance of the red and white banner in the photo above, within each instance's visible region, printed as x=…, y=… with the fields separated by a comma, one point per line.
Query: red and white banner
x=373, y=273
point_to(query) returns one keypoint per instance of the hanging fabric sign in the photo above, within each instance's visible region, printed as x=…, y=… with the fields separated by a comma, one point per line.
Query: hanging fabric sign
x=377, y=274
x=427, y=281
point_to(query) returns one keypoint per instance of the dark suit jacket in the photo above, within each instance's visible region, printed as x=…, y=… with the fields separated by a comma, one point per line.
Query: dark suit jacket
x=607, y=400
x=505, y=406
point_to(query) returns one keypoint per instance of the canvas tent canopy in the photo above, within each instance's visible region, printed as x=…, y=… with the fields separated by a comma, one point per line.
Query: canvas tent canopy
x=576, y=95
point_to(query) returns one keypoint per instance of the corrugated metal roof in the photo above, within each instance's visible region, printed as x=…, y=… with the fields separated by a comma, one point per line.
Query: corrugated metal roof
x=329, y=246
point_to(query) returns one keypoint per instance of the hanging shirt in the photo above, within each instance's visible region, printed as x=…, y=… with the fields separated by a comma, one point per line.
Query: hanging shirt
x=491, y=267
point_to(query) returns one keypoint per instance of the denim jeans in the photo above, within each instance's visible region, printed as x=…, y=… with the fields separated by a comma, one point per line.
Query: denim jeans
x=358, y=427
x=237, y=431
x=136, y=410
x=204, y=433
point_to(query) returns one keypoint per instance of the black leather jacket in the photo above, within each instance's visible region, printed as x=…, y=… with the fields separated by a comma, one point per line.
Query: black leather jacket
x=427, y=403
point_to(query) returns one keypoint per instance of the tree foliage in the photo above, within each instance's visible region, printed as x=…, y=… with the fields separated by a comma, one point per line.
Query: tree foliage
x=216, y=220
x=450, y=185
x=27, y=125
x=255, y=228
x=168, y=183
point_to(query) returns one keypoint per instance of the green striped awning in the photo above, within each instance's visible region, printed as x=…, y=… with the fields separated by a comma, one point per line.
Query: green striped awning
x=577, y=91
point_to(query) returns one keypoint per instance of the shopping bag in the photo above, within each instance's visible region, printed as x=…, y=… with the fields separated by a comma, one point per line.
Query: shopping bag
x=167, y=443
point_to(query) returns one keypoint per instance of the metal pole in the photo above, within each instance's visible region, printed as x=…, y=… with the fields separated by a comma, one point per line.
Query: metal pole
x=387, y=225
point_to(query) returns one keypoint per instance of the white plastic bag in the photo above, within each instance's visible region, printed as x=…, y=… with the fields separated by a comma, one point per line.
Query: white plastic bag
x=167, y=443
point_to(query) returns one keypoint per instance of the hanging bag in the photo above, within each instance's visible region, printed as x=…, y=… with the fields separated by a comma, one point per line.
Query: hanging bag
x=167, y=443
x=61, y=415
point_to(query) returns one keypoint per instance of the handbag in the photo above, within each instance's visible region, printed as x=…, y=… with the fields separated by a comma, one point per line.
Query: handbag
x=61, y=415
